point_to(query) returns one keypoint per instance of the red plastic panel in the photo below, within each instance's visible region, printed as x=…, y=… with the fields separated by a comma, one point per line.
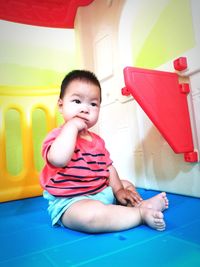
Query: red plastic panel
x=48, y=13
x=159, y=95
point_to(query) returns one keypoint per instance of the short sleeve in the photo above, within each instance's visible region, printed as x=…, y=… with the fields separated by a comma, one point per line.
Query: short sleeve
x=47, y=144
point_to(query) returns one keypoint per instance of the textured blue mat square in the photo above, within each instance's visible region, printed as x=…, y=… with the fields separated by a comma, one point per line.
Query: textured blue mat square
x=27, y=238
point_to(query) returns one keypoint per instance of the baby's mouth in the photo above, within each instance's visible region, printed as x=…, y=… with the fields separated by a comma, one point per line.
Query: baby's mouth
x=83, y=118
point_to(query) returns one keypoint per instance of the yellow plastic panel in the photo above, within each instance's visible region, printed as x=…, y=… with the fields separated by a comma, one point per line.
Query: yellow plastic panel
x=25, y=118
x=39, y=131
x=13, y=138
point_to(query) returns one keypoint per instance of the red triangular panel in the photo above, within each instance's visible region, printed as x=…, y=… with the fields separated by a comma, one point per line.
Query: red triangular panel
x=159, y=95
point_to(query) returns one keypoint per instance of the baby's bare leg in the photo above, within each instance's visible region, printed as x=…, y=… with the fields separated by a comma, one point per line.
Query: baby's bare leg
x=92, y=216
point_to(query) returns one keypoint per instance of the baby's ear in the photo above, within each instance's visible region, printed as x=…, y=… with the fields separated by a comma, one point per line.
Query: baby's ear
x=60, y=105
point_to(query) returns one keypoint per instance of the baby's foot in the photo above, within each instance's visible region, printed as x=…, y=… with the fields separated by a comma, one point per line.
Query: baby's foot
x=152, y=218
x=159, y=202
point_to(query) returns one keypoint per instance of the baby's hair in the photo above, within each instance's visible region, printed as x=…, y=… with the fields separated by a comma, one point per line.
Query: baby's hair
x=82, y=75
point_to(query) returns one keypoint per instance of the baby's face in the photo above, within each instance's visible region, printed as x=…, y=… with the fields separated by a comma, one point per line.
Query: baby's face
x=82, y=100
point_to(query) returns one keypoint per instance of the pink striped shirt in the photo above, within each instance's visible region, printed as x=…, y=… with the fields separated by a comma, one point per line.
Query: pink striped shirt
x=87, y=172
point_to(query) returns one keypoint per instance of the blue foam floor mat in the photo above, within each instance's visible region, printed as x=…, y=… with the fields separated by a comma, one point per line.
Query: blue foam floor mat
x=27, y=238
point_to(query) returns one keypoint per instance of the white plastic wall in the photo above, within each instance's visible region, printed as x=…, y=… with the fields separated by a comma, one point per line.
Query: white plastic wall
x=105, y=31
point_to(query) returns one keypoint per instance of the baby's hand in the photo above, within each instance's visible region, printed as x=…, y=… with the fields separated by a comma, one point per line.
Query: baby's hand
x=79, y=123
x=136, y=196
x=128, y=198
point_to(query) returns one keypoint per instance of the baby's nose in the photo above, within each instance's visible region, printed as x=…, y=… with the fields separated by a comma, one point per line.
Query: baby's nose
x=84, y=109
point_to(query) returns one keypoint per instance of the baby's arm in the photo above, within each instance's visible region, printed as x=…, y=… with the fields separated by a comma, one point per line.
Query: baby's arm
x=63, y=146
x=125, y=195
x=114, y=180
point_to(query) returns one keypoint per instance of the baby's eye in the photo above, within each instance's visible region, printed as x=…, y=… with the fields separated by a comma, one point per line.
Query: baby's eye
x=77, y=101
x=94, y=104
